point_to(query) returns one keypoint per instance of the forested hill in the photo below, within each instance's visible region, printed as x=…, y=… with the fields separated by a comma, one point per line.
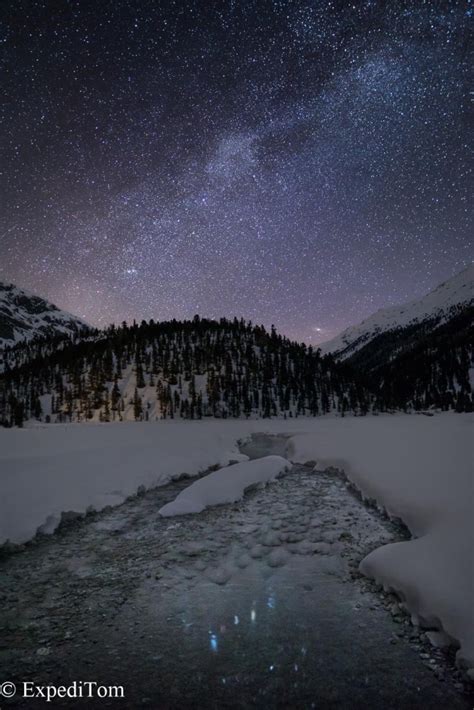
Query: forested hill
x=190, y=369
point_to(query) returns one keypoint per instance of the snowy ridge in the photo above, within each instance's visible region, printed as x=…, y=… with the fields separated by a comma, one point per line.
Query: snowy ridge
x=24, y=316
x=440, y=305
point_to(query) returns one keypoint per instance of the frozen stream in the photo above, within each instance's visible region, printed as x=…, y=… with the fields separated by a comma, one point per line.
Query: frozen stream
x=252, y=605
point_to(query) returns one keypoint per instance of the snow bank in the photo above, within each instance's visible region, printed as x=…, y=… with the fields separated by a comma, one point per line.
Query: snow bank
x=47, y=471
x=227, y=485
x=420, y=469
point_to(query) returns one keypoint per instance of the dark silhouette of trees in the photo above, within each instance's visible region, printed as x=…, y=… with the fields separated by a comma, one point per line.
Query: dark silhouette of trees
x=231, y=368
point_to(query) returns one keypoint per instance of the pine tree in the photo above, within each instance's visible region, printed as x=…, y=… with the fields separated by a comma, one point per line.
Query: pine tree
x=137, y=406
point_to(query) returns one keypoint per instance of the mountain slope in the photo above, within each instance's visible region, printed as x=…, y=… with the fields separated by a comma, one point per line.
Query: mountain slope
x=417, y=356
x=190, y=369
x=24, y=316
x=437, y=307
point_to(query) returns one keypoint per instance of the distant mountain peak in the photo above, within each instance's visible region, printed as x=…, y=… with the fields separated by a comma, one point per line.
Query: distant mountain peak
x=438, y=305
x=24, y=315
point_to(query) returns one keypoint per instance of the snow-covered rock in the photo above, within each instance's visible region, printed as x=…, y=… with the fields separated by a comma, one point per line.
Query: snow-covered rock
x=441, y=303
x=23, y=316
x=226, y=485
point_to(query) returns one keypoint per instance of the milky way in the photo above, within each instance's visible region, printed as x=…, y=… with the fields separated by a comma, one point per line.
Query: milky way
x=296, y=163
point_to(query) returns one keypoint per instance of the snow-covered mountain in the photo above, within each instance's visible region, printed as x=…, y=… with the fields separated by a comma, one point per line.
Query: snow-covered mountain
x=438, y=306
x=23, y=316
x=419, y=355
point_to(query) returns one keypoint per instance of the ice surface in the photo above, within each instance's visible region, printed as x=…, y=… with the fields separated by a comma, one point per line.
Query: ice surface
x=170, y=613
x=419, y=468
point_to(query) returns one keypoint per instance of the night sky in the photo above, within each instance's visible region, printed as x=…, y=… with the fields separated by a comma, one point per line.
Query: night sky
x=296, y=163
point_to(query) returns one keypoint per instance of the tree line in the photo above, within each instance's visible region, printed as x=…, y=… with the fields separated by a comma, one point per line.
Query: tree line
x=190, y=370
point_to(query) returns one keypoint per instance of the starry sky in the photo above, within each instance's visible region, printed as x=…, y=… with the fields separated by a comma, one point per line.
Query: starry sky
x=301, y=163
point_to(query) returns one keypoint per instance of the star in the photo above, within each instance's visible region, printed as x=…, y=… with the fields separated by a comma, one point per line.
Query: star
x=289, y=163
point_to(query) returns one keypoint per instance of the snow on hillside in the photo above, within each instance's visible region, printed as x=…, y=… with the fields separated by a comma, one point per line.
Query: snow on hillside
x=416, y=467
x=457, y=291
x=23, y=315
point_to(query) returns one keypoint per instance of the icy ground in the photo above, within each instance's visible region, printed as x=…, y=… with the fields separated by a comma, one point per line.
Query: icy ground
x=253, y=604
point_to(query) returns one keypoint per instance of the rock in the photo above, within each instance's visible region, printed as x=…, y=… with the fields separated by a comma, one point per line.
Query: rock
x=243, y=561
x=271, y=539
x=45, y=651
x=220, y=575
x=321, y=548
x=438, y=639
x=345, y=535
x=277, y=558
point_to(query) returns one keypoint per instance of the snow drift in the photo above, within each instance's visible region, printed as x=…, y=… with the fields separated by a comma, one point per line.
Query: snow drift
x=227, y=485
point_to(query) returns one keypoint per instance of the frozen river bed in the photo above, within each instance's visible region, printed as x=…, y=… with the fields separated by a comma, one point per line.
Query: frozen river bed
x=258, y=604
